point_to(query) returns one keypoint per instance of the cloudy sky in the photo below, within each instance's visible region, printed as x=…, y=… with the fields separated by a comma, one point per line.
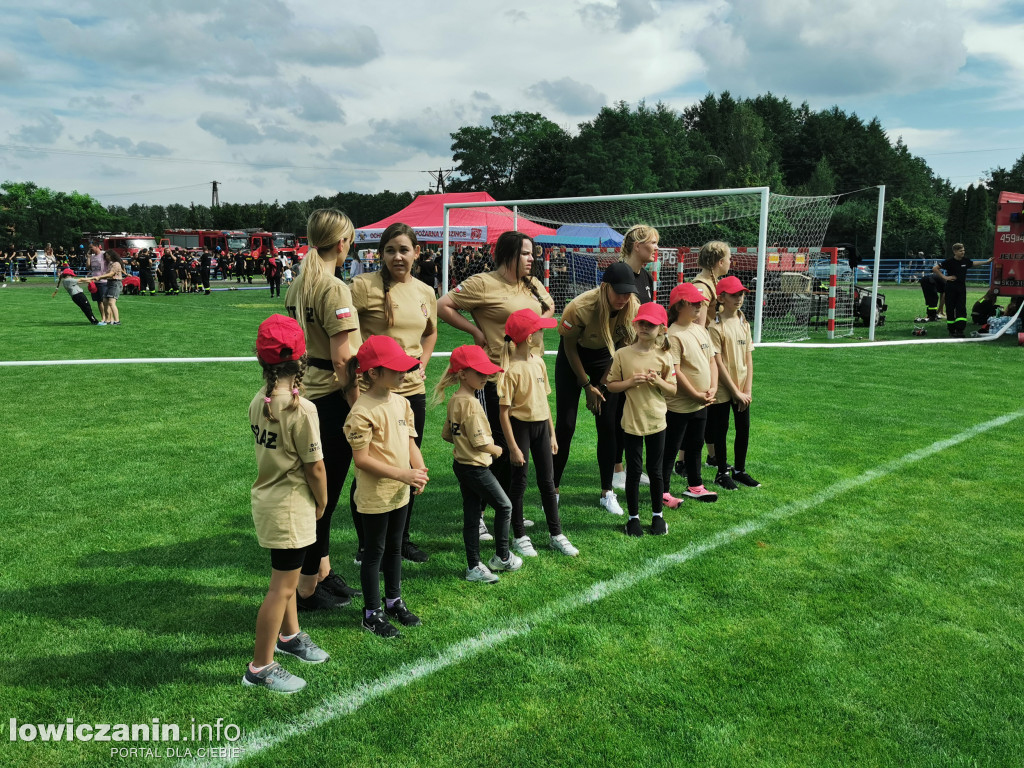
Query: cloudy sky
x=144, y=101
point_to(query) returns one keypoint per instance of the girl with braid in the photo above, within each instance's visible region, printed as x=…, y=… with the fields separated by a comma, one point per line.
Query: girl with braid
x=288, y=498
x=393, y=303
x=322, y=305
x=489, y=298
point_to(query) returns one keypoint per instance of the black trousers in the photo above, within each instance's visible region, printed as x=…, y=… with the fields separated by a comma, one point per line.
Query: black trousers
x=686, y=430
x=275, y=284
x=382, y=554
x=204, y=275
x=501, y=468
x=567, y=403
x=83, y=304
x=718, y=429
x=633, y=455
x=418, y=403
x=146, y=281
x=479, y=485
x=534, y=438
x=332, y=410
x=170, y=281
x=931, y=287
x=956, y=308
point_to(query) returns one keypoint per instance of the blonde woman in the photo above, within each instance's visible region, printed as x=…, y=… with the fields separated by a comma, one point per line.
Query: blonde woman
x=323, y=306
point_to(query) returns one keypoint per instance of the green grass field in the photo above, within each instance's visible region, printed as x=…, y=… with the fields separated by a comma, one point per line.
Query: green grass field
x=864, y=607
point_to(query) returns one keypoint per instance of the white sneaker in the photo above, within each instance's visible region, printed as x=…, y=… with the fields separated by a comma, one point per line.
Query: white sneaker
x=484, y=534
x=524, y=546
x=481, y=573
x=619, y=480
x=514, y=563
x=527, y=523
x=562, y=544
x=610, y=503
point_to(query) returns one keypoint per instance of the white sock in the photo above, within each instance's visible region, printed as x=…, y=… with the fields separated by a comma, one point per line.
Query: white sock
x=288, y=638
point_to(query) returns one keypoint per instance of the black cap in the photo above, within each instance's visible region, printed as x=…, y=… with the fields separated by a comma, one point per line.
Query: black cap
x=620, y=277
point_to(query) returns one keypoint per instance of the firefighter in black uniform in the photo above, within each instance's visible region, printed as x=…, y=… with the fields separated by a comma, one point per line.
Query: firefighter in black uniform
x=250, y=266
x=205, y=262
x=956, y=288
x=144, y=263
x=169, y=271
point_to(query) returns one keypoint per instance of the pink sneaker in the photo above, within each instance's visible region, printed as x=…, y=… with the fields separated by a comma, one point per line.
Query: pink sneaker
x=670, y=501
x=700, y=493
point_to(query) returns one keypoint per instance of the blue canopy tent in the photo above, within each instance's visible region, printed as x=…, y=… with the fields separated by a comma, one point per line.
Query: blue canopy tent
x=606, y=236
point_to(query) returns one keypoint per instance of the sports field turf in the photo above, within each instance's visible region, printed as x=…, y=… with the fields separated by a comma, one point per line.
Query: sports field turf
x=864, y=607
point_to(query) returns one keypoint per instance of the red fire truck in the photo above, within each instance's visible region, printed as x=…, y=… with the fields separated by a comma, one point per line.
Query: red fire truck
x=1008, y=253
x=233, y=240
x=273, y=243
x=124, y=244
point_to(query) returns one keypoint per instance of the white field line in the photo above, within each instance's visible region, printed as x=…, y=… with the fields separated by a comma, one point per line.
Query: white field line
x=348, y=702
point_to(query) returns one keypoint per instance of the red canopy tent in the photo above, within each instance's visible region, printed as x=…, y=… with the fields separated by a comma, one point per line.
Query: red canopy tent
x=425, y=215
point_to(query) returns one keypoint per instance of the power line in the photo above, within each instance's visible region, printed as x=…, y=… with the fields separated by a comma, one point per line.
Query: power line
x=972, y=151
x=150, y=191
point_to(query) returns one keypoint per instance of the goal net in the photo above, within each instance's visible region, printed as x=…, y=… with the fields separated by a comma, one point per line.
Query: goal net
x=582, y=236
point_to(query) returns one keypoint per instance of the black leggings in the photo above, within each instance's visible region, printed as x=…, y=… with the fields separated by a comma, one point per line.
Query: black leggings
x=83, y=304
x=686, y=430
x=418, y=403
x=633, y=454
x=274, y=281
x=501, y=467
x=718, y=428
x=567, y=404
x=479, y=485
x=333, y=410
x=533, y=438
x=382, y=554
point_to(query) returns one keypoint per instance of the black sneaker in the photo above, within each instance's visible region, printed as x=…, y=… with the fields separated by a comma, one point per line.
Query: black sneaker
x=320, y=600
x=744, y=479
x=711, y=461
x=414, y=554
x=658, y=526
x=359, y=556
x=633, y=527
x=378, y=623
x=680, y=468
x=339, y=588
x=402, y=614
x=723, y=480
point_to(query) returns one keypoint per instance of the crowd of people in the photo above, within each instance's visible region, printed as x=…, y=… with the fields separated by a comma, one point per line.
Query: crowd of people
x=345, y=389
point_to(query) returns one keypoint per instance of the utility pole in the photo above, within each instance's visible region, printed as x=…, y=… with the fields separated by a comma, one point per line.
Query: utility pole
x=215, y=196
x=439, y=176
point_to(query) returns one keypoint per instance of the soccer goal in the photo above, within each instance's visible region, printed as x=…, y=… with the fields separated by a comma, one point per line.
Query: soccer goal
x=776, y=243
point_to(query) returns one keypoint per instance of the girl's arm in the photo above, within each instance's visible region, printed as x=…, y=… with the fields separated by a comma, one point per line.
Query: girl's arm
x=428, y=342
x=685, y=387
x=635, y=380
x=551, y=431
x=341, y=353
x=712, y=392
x=725, y=378
x=407, y=475
x=446, y=311
x=514, y=454
x=416, y=459
x=316, y=479
x=666, y=386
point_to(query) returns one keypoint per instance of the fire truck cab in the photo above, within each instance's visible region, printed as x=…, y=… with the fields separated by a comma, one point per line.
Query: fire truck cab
x=124, y=244
x=273, y=243
x=1008, y=252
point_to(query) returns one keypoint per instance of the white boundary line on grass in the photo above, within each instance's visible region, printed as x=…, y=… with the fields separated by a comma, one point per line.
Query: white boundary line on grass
x=350, y=701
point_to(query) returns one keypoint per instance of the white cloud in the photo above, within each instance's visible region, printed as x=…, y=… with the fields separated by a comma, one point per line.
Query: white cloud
x=106, y=141
x=569, y=96
x=232, y=130
x=1002, y=43
x=10, y=68
x=46, y=130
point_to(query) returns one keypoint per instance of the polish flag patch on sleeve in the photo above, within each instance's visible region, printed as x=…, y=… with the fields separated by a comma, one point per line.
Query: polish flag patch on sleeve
x=458, y=288
x=566, y=324
x=343, y=313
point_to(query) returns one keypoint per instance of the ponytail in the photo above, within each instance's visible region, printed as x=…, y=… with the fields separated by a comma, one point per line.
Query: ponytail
x=438, y=395
x=385, y=280
x=528, y=283
x=506, y=355
x=351, y=376
x=271, y=375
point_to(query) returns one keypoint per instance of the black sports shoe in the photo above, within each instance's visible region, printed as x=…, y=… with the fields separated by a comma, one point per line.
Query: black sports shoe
x=711, y=461
x=680, y=468
x=633, y=527
x=338, y=587
x=359, y=556
x=402, y=614
x=658, y=526
x=723, y=480
x=744, y=479
x=320, y=600
x=378, y=623
x=414, y=554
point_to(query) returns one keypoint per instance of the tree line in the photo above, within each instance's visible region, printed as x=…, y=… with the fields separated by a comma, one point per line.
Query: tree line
x=719, y=142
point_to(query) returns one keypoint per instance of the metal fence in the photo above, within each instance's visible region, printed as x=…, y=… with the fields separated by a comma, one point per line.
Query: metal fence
x=901, y=271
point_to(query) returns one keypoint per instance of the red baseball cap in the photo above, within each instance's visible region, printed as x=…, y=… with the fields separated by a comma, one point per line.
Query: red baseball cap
x=686, y=292
x=653, y=313
x=384, y=352
x=69, y=272
x=522, y=323
x=474, y=358
x=731, y=284
x=279, y=340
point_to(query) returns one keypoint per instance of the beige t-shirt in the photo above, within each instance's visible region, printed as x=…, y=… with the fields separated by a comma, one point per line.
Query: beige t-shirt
x=414, y=308
x=383, y=426
x=525, y=390
x=578, y=322
x=330, y=312
x=644, y=410
x=283, y=505
x=490, y=299
x=707, y=286
x=468, y=430
x=732, y=340
x=691, y=347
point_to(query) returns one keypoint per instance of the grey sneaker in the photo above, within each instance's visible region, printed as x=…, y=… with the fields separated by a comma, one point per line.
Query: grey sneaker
x=561, y=544
x=484, y=535
x=523, y=546
x=304, y=649
x=481, y=573
x=274, y=678
x=514, y=563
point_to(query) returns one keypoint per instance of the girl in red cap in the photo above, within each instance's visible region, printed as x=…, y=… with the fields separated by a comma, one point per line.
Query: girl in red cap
x=467, y=429
x=70, y=284
x=523, y=390
x=288, y=498
x=734, y=346
x=381, y=430
x=696, y=382
x=644, y=371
